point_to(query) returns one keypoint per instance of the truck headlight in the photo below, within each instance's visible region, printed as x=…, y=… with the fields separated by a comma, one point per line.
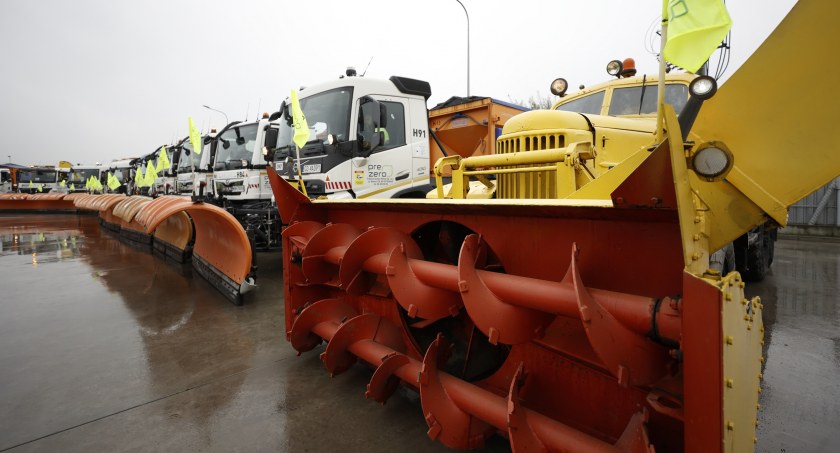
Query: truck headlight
x=703, y=87
x=614, y=68
x=712, y=161
x=559, y=87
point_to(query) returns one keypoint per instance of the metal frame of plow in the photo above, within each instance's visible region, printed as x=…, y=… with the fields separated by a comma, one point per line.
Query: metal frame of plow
x=221, y=251
x=585, y=300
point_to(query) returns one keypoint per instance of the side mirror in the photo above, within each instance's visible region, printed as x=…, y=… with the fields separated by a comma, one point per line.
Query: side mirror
x=240, y=140
x=225, y=144
x=286, y=110
x=271, y=135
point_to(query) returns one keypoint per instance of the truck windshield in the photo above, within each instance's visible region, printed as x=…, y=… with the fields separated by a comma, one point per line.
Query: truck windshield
x=122, y=174
x=326, y=113
x=636, y=101
x=38, y=176
x=77, y=176
x=235, y=145
x=185, y=158
x=590, y=104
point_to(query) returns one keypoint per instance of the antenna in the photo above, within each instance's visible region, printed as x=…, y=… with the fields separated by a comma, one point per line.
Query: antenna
x=366, y=67
x=246, y=110
x=259, y=101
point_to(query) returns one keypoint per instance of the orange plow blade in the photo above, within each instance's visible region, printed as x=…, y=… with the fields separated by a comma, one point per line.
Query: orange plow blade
x=38, y=202
x=173, y=237
x=221, y=250
x=123, y=212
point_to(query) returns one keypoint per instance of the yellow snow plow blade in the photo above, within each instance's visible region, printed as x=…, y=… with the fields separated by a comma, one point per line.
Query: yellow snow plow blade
x=776, y=115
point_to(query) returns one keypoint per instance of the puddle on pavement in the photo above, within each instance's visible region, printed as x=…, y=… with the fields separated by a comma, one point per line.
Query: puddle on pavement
x=92, y=326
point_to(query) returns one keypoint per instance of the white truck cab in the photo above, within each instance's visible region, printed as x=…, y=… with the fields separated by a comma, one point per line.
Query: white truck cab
x=165, y=183
x=240, y=182
x=77, y=176
x=239, y=166
x=123, y=171
x=5, y=180
x=32, y=178
x=194, y=169
x=367, y=137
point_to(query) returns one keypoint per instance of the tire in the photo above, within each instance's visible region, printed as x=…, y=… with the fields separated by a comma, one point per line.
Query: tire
x=759, y=256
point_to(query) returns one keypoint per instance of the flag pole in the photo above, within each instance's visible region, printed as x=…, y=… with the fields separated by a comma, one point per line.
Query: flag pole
x=660, y=89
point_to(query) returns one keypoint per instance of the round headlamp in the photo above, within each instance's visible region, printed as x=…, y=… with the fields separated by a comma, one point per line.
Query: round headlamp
x=703, y=87
x=614, y=68
x=559, y=87
x=712, y=161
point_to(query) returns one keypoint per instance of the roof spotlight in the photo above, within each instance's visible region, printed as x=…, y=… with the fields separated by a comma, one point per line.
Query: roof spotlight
x=703, y=87
x=559, y=87
x=712, y=161
x=614, y=68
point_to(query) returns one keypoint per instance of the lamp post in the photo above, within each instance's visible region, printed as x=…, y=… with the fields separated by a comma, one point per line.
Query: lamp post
x=468, y=46
x=216, y=110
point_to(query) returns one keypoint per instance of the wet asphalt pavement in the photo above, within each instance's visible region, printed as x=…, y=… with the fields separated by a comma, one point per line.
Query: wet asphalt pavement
x=104, y=347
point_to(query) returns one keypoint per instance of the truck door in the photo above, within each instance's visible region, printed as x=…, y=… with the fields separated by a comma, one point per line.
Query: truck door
x=381, y=132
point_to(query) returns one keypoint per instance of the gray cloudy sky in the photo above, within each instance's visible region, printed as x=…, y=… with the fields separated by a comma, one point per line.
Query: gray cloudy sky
x=95, y=80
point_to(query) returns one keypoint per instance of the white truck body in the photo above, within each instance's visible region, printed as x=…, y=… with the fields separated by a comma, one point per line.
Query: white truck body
x=5, y=180
x=344, y=158
x=45, y=177
x=124, y=172
x=165, y=183
x=193, y=169
x=239, y=169
x=77, y=176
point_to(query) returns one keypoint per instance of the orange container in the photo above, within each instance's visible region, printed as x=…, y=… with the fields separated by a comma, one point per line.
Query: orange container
x=468, y=126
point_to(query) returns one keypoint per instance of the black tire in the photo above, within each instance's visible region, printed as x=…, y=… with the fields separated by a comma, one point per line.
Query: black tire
x=759, y=258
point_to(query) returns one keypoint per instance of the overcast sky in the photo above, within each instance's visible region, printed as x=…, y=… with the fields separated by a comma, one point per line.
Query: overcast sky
x=95, y=80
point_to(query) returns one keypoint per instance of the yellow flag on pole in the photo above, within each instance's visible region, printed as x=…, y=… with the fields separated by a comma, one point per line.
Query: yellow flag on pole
x=63, y=183
x=163, y=160
x=40, y=187
x=195, y=137
x=30, y=183
x=151, y=174
x=301, y=128
x=113, y=182
x=695, y=29
x=72, y=187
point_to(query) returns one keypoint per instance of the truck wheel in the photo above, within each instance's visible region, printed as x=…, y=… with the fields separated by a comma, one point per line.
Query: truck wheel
x=759, y=257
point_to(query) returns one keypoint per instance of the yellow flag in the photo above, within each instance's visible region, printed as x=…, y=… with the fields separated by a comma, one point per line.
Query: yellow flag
x=695, y=29
x=63, y=183
x=163, y=160
x=195, y=137
x=96, y=184
x=151, y=174
x=139, y=178
x=301, y=128
x=40, y=187
x=113, y=182
x=72, y=187
x=30, y=184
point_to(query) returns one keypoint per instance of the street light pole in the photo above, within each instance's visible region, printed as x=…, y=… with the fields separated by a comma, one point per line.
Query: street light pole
x=468, y=46
x=215, y=110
